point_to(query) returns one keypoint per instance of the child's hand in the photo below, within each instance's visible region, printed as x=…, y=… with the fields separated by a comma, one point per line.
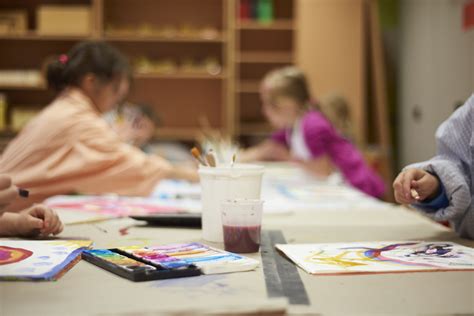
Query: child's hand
x=38, y=220
x=8, y=192
x=425, y=184
x=320, y=167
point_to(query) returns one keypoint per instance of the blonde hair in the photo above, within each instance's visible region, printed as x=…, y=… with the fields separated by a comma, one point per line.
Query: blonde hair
x=289, y=82
x=337, y=111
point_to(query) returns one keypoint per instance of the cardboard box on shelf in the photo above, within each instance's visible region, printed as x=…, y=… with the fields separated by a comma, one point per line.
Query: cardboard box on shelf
x=21, y=78
x=21, y=115
x=64, y=20
x=13, y=22
x=3, y=111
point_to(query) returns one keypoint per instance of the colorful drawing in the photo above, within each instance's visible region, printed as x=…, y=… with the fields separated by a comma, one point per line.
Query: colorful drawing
x=208, y=259
x=110, y=205
x=10, y=255
x=377, y=257
x=38, y=259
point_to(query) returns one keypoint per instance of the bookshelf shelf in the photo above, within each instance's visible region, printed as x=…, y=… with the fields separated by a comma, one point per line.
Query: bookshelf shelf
x=180, y=75
x=277, y=25
x=162, y=39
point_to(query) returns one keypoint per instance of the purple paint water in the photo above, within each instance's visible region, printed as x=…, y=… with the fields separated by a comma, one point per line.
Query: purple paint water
x=242, y=239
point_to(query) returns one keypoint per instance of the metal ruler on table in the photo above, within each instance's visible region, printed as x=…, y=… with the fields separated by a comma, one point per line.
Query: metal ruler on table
x=281, y=276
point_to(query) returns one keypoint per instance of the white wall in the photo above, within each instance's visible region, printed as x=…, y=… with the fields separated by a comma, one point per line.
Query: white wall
x=436, y=72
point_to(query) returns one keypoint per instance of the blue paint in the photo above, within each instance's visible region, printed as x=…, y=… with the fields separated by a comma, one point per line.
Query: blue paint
x=40, y=264
x=60, y=252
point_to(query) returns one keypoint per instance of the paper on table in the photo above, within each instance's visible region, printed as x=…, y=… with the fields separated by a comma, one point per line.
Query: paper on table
x=285, y=189
x=379, y=257
x=90, y=208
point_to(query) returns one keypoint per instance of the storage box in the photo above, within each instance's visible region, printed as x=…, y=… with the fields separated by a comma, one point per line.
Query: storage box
x=64, y=20
x=21, y=78
x=21, y=115
x=3, y=111
x=13, y=22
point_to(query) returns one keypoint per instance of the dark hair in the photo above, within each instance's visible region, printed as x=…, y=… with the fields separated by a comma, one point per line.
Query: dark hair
x=95, y=57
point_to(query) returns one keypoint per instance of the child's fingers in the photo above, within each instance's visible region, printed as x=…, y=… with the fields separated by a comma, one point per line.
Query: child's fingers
x=58, y=228
x=400, y=198
x=5, y=182
x=31, y=226
x=8, y=195
x=46, y=214
x=407, y=179
x=55, y=223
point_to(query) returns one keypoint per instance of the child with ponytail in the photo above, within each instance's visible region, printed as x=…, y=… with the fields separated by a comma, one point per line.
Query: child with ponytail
x=69, y=147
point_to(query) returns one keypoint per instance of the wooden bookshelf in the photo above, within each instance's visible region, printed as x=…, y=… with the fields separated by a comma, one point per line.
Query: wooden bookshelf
x=255, y=128
x=177, y=39
x=262, y=57
x=179, y=97
x=33, y=36
x=248, y=86
x=22, y=88
x=260, y=48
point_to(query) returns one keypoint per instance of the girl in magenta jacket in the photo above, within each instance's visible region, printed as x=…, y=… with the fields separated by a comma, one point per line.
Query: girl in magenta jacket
x=306, y=135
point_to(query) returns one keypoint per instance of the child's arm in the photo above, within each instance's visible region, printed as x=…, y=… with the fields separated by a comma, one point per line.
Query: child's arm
x=321, y=166
x=267, y=150
x=8, y=192
x=453, y=166
x=38, y=220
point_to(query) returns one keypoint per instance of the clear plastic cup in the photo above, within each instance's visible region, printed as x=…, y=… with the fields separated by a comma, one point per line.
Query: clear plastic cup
x=241, y=224
x=240, y=181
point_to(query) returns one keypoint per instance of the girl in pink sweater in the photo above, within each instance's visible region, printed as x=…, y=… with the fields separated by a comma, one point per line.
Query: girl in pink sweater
x=305, y=134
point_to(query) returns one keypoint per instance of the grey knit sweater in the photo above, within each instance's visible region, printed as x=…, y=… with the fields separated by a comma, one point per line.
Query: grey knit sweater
x=454, y=165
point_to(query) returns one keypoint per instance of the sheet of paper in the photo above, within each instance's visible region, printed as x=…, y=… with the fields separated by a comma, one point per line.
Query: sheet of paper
x=379, y=257
x=38, y=259
x=87, y=208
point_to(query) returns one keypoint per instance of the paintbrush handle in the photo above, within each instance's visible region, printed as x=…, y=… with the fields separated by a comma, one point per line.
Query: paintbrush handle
x=197, y=155
x=211, y=160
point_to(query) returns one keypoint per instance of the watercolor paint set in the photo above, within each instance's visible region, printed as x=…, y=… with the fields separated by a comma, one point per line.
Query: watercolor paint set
x=135, y=268
x=138, y=263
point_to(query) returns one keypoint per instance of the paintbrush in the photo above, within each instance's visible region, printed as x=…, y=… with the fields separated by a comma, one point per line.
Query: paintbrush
x=197, y=155
x=414, y=194
x=234, y=157
x=211, y=159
